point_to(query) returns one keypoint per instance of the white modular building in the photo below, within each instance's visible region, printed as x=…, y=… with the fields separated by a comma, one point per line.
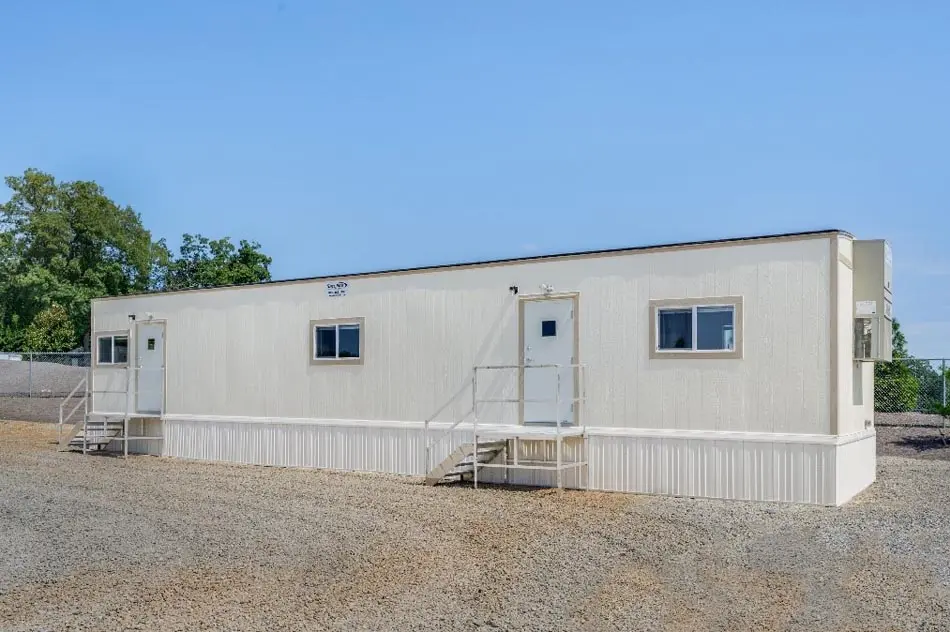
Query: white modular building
x=735, y=368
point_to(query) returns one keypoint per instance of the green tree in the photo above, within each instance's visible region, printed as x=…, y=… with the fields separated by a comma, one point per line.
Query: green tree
x=51, y=330
x=204, y=262
x=11, y=332
x=899, y=341
x=897, y=389
x=930, y=380
x=65, y=243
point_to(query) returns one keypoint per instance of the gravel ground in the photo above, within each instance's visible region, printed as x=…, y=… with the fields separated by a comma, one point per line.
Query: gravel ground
x=911, y=434
x=102, y=543
x=34, y=408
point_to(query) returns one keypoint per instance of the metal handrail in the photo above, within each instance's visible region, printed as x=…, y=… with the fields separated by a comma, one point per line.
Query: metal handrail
x=582, y=397
x=62, y=404
x=581, y=383
x=516, y=400
x=493, y=367
x=580, y=379
x=444, y=434
x=162, y=390
x=128, y=395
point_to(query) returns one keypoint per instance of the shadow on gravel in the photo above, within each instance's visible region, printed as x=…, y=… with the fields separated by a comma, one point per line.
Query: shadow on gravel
x=523, y=489
x=924, y=444
x=926, y=424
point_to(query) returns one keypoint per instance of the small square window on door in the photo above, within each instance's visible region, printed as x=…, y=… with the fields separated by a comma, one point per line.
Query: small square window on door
x=151, y=344
x=548, y=328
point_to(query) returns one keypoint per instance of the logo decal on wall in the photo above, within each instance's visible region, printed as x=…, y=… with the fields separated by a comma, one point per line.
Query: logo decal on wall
x=337, y=288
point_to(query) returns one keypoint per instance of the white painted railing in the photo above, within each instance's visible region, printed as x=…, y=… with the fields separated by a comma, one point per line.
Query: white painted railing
x=128, y=409
x=445, y=433
x=576, y=398
x=83, y=384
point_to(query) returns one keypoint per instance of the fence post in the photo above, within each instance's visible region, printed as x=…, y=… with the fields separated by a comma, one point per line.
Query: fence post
x=31, y=374
x=943, y=374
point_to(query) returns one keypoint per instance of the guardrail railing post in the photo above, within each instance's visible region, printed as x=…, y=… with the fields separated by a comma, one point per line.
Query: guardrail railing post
x=943, y=373
x=557, y=421
x=475, y=428
x=128, y=390
x=425, y=437
x=31, y=374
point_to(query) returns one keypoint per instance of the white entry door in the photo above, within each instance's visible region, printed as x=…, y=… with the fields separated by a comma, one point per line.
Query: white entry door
x=150, y=360
x=548, y=327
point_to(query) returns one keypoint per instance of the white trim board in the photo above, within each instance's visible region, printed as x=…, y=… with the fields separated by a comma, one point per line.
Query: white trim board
x=730, y=435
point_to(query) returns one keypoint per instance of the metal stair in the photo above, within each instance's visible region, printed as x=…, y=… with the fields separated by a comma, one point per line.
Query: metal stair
x=94, y=434
x=462, y=461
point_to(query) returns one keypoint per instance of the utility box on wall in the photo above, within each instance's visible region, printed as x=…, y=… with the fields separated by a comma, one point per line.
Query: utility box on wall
x=873, y=310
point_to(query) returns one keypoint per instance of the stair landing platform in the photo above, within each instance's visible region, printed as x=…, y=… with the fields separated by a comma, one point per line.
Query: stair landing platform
x=540, y=431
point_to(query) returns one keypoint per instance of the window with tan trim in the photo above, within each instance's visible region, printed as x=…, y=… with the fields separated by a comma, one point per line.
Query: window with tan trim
x=696, y=328
x=336, y=341
x=112, y=349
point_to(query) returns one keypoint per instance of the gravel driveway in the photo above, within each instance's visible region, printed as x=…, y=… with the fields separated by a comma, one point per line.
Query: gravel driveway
x=911, y=434
x=101, y=543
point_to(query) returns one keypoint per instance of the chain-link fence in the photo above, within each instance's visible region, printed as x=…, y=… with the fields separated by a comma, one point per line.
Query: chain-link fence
x=27, y=374
x=33, y=385
x=911, y=385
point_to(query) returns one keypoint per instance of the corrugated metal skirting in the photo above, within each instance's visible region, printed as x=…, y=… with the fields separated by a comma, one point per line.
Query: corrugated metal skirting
x=732, y=469
x=355, y=448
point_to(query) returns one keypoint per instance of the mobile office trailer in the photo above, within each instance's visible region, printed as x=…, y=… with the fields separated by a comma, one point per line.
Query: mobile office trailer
x=736, y=368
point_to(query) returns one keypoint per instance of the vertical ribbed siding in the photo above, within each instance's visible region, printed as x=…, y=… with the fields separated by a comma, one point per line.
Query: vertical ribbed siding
x=734, y=469
x=244, y=351
x=354, y=448
x=728, y=469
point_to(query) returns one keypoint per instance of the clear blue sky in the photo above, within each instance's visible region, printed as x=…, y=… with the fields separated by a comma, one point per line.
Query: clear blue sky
x=350, y=136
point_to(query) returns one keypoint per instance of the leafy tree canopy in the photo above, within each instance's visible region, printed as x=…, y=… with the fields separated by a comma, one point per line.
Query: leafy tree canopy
x=51, y=330
x=204, y=262
x=64, y=243
x=898, y=341
x=907, y=383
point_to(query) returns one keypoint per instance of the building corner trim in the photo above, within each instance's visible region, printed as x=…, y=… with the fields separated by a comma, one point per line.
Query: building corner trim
x=833, y=339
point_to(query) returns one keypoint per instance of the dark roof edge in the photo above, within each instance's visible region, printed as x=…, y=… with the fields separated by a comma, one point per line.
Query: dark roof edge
x=514, y=260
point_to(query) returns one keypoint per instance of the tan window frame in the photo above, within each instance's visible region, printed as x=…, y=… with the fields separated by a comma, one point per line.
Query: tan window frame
x=336, y=322
x=692, y=304
x=113, y=335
